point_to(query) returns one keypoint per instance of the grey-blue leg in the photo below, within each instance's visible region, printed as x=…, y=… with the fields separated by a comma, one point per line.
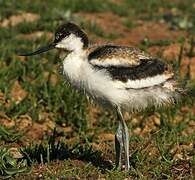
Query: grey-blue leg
x=125, y=139
x=118, y=145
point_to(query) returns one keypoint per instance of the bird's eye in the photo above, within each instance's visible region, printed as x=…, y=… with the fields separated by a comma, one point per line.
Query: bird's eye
x=58, y=35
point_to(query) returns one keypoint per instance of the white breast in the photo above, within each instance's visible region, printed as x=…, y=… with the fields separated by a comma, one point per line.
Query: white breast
x=72, y=67
x=97, y=83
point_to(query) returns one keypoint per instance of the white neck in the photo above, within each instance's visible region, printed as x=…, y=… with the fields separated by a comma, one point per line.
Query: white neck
x=71, y=43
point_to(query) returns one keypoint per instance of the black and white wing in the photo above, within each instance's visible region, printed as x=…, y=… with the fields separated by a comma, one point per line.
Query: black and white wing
x=131, y=66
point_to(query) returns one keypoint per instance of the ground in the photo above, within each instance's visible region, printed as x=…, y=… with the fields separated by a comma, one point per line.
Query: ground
x=49, y=131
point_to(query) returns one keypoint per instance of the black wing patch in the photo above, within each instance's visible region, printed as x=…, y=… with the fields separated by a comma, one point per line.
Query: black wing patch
x=147, y=68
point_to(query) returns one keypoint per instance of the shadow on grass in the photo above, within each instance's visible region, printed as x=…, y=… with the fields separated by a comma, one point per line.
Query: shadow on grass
x=60, y=151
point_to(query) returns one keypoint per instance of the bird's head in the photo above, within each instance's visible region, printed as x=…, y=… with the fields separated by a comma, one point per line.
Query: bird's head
x=68, y=37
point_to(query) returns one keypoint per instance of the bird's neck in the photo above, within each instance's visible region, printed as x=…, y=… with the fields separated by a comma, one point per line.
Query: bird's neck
x=75, y=45
x=72, y=44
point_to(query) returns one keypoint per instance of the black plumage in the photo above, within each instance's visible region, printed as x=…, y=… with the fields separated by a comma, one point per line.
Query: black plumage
x=70, y=28
x=147, y=68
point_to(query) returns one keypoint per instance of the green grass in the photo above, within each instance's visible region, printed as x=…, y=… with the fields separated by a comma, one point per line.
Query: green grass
x=152, y=155
x=9, y=166
x=9, y=135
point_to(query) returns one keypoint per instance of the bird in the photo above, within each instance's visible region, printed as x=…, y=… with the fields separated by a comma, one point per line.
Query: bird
x=123, y=78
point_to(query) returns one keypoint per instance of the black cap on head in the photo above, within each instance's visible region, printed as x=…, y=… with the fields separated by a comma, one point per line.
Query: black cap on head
x=70, y=28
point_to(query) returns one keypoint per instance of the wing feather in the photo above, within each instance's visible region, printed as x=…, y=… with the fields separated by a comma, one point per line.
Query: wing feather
x=131, y=66
x=112, y=55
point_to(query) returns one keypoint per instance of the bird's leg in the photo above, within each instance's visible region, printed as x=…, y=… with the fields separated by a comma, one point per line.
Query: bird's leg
x=118, y=145
x=125, y=139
